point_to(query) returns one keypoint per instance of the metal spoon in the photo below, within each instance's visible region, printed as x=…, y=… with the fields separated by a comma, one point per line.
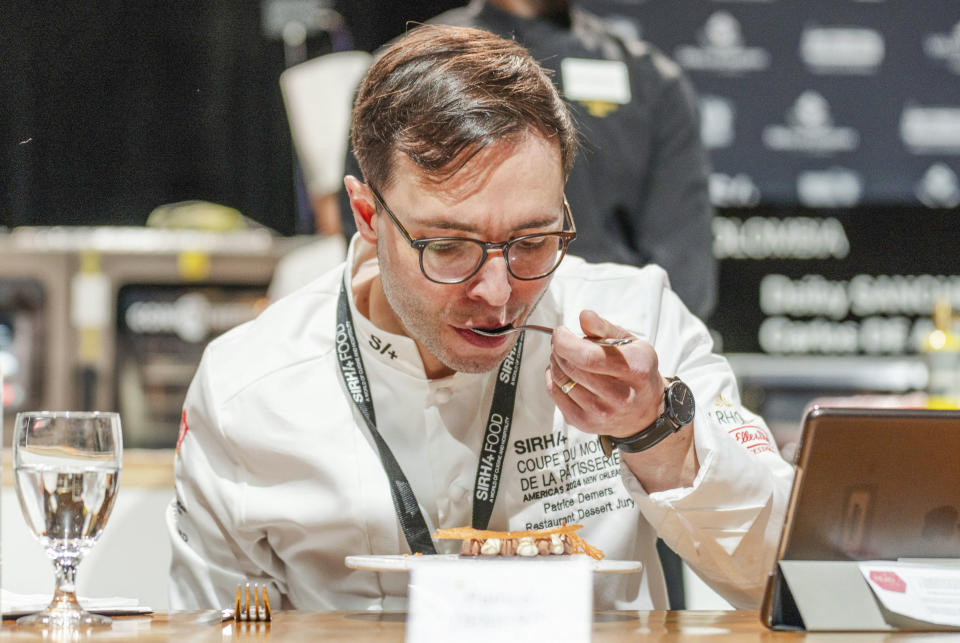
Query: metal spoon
x=603, y=341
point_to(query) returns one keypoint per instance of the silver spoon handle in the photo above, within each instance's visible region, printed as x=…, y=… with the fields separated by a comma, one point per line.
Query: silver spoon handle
x=539, y=329
x=610, y=341
x=603, y=341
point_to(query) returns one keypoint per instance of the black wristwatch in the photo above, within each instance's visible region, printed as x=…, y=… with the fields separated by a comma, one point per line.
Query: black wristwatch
x=679, y=412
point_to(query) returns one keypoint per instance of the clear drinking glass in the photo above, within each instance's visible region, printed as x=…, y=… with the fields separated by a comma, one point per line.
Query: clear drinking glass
x=67, y=468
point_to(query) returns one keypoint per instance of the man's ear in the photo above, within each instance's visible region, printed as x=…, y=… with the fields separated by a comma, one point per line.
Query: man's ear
x=363, y=206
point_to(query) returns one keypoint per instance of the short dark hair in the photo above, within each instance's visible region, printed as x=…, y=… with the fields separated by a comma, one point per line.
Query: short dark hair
x=441, y=94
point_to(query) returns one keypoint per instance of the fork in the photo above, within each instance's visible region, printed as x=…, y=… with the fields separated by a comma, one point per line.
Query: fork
x=245, y=611
x=241, y=611
x=603, y=341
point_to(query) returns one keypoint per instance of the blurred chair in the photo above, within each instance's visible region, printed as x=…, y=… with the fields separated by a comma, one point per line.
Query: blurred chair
x=318, y=98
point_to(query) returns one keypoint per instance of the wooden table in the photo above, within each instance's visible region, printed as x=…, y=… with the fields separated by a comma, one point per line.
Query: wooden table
x=362, y=627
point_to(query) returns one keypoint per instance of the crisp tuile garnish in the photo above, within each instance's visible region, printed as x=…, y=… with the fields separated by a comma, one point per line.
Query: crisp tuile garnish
x=580, y=546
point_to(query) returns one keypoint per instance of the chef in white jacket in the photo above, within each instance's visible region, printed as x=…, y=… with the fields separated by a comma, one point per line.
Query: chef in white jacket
x=363, y=412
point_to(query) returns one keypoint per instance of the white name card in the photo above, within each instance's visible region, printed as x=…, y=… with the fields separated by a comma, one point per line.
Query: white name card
x=926, y=590
x=466, y=600
x=586, y=79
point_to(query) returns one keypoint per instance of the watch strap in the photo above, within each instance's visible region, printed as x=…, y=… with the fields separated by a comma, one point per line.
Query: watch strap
x=645, y=439
x=649, y=437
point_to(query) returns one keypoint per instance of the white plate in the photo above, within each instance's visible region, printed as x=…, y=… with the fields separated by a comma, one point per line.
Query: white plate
x=402, y=563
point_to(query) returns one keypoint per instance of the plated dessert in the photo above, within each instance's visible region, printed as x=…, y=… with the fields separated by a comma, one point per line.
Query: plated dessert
x=533, y=542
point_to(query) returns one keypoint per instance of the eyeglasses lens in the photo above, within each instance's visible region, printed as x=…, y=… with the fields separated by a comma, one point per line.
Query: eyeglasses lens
x=450, y=261
x=527, y=258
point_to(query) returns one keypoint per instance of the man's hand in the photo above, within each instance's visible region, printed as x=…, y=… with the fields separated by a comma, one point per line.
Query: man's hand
x=618, y=392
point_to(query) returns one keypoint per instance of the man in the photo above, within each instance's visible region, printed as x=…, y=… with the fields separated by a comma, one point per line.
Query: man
x=363, y=412
x=640, y=189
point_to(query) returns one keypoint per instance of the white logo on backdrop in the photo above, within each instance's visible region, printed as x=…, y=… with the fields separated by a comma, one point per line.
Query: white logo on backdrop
x=933, y=130
x=945, y=47
x=939, y=187
x=192, y=317
x=721, y=48
x=716, y=121
x=810, y=129
x=834, y=187
x=842, y=50
x=774, y=238
x=737, y=191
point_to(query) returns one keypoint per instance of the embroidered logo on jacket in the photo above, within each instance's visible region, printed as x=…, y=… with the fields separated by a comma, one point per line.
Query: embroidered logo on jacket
x=752, y=438
x=183, y=430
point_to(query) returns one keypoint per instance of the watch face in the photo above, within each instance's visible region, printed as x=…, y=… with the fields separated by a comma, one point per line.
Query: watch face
x=680, y=403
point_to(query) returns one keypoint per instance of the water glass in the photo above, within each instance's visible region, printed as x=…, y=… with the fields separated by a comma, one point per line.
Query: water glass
x=67, y=469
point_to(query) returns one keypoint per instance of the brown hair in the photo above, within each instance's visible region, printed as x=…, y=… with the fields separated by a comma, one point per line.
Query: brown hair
x=441, y=94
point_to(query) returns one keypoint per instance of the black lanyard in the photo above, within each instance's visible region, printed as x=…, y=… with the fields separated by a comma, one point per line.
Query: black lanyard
x=492, y=450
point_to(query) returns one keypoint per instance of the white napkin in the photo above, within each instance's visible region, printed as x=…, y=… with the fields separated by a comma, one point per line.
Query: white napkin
x=14, y=604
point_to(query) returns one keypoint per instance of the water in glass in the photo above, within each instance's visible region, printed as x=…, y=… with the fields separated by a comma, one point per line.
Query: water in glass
x=67, y=468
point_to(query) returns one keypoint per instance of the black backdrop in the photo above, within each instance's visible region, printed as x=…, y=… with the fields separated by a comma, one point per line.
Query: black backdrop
x=820, y=102
x=833, y=128
x=834, y=132
x=109, y=108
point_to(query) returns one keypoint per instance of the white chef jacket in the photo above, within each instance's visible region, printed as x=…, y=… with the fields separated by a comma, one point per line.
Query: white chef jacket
x=278, y=479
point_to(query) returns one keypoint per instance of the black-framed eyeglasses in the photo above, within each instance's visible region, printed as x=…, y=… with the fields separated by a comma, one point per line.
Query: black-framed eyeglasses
x=453, y=260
